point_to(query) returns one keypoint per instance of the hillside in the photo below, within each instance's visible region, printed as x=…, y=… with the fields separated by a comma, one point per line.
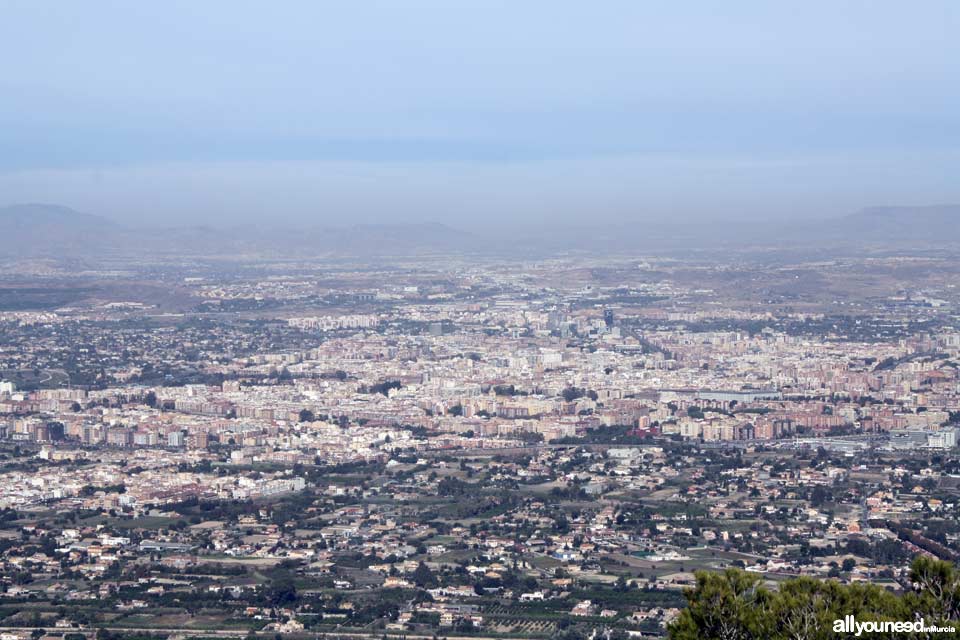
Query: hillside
x=937, y=223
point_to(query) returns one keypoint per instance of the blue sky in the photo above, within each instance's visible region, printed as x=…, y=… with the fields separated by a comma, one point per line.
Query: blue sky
x=466, y=111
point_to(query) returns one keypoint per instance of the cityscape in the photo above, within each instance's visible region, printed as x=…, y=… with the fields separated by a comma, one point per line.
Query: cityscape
x=483, y=447
x=479, y=320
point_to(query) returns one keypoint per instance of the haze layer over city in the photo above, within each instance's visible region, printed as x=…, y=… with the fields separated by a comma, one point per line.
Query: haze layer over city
x=479, y=320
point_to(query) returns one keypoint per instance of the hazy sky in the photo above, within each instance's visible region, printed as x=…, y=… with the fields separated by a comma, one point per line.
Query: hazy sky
x=454, y=110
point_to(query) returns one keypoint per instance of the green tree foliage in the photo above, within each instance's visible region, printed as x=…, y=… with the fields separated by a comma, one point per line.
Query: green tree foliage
x=282, y=591
x=382, y=387
x=575, y=393
x=735, y=605
x=938, y=588
x=424, y=577
x=732, y=606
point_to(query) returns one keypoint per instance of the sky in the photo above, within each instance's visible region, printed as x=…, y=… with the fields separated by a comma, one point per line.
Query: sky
x=478, y=112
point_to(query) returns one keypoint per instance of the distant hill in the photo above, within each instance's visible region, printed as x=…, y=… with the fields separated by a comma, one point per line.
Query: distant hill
x=35, y=215
x=936, y=223
x=32, y=230
x=47, y=229
x=44, y=230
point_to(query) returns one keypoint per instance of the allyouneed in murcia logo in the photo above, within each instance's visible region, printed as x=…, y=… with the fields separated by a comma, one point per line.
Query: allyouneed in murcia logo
x=849, y=624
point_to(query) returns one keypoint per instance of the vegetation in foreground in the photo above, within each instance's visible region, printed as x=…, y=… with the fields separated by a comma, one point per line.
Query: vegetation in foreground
x=735, y=605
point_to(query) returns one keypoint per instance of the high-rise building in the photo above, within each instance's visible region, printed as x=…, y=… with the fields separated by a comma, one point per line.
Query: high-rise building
x=120, y=437
x=608, y=317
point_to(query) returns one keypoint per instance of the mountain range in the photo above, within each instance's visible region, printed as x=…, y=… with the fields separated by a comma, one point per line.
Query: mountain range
x=44, y=230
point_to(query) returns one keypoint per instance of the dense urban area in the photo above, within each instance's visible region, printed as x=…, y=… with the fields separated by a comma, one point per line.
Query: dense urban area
x=452, y=447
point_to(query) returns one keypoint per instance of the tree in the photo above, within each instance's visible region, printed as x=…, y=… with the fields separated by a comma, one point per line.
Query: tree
x=424, y=578
x=806, y=608
x=306, y=416
x=282, y=591
x=938, y=588
x=735, y=606
x=732, y=606
x=818, y=496
x=572, y=393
